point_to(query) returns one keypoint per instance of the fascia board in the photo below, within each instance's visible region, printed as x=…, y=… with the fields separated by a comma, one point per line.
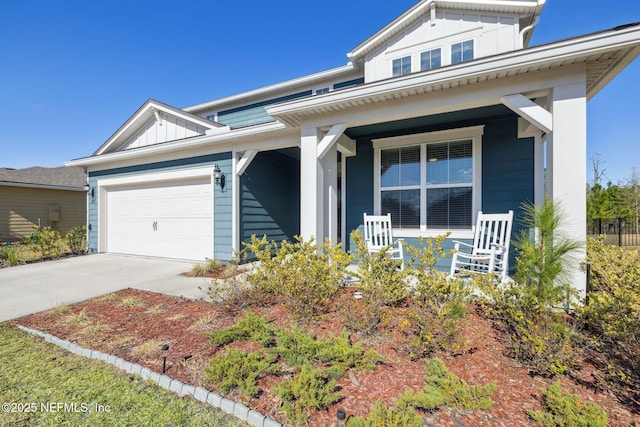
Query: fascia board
x=567, y=50
x=40, y=186
x=221, y=142
x=390, y=29
x=279, y=87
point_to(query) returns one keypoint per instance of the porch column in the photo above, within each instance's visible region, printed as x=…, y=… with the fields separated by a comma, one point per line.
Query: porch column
x=567, y=168
x=318, y=187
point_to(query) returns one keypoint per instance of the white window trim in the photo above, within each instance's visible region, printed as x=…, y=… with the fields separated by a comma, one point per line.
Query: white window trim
x=431, y=50
x=461, y=42
x=473, y=133
x=411, y=59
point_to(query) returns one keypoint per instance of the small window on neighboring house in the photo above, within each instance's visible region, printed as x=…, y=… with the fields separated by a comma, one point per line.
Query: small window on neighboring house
x=401, y=66
x=430, y=59
x=322, y=90
x=461, y=52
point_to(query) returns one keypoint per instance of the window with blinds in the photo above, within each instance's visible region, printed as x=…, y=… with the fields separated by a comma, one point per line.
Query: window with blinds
x=400, y=185
x=428, y=185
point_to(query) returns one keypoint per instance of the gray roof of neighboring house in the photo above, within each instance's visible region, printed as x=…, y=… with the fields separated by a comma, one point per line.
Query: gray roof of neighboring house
x=62, y=177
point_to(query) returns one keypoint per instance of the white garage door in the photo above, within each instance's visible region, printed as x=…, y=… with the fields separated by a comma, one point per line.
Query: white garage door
x=169, y=219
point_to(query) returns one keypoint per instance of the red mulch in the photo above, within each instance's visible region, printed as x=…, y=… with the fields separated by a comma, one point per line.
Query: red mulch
x=160, y=319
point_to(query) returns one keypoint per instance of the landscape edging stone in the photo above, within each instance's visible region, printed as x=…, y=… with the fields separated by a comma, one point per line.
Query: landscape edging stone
x=201, y=394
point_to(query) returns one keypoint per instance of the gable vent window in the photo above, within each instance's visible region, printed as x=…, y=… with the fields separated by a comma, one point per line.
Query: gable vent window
x=462, y=52
x=431, y=59
x=401, y=66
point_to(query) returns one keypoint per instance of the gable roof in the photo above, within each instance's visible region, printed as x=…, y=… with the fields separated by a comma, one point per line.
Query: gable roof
x=145, y=113
x=604, y=54
x=60, y=178
x=529, y=9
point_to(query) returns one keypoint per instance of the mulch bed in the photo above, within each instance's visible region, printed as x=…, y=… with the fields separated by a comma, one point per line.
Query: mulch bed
x=136, y=333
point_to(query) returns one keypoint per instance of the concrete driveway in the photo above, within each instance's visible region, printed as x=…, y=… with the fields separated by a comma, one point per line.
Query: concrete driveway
x=37, y=287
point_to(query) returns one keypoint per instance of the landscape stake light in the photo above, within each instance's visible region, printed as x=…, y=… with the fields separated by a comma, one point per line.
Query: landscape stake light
x=165, y=349
x=341, y=414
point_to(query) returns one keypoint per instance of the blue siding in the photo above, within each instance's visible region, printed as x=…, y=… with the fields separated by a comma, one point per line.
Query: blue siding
x=359, y=196
x=254, y=114
x=222, y=199
x=222, y=213
x=507, y=172
x=270, y=196
x=92, y=227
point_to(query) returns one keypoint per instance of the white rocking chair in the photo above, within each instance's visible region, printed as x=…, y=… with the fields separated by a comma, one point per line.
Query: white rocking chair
x=489, y=253
x=378, y=235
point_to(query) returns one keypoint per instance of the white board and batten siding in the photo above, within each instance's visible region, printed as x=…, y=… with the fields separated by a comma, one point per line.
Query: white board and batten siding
x=160, y=215
x=491, y=33
x=168, y=128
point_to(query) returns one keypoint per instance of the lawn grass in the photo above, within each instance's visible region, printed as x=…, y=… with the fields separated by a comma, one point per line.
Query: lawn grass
x=34, y=372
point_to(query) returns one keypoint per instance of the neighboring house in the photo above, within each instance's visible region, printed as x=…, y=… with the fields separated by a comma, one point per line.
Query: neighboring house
x=443, y=113
x=41, y=197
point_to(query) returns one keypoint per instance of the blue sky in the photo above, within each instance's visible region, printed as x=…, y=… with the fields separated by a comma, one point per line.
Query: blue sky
x=73, y=71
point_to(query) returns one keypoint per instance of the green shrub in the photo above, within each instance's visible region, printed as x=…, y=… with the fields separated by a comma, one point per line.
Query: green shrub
x=539, y=336
x=12, y=254
x=381, y=280
x=445, y=388
x=300, y=349
x=612, y=309
x=614, y=301
x=387, y=417
x=306, y=391
x=239, y=370
x=383, y=285
x=302, y=274
x=46, y=241
x=547, y=346
x=233, y=294
x=563, y=409
x=438, y=304
x=251, y=327
x=77, y=239
x=209, y=267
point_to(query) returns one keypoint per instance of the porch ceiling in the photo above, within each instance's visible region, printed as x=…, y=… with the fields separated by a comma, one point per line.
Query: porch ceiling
x=393, y=128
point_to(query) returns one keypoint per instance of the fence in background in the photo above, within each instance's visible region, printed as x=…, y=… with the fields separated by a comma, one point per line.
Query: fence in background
x=618, y=231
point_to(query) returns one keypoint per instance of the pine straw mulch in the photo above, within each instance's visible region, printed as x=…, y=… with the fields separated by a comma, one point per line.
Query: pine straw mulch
x=134, y=324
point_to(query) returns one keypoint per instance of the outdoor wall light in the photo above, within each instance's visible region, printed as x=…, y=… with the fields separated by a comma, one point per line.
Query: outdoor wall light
x=218, y=177
x=89, y=190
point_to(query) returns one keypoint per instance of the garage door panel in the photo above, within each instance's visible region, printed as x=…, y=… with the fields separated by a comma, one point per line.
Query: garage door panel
x=169, y=219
